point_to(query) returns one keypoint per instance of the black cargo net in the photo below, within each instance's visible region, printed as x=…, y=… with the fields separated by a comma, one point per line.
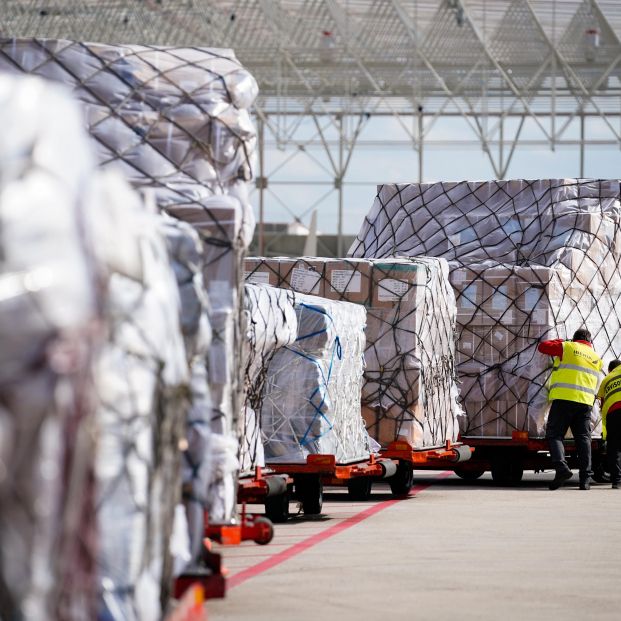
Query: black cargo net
x=529, y=260
x=409, y=386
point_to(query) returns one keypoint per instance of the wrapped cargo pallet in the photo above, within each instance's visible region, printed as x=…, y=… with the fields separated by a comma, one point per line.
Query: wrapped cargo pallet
x=176, y=120
x=270, y=323
x=142, y=378
x=186, y=256
x=409, y=389
x=50, y=328
x=311, y=399
x=529, y=260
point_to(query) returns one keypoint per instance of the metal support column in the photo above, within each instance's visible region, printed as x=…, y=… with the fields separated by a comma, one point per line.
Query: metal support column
x=339, y=188
x=420, y=144
x=582, y=145
x=261, y=186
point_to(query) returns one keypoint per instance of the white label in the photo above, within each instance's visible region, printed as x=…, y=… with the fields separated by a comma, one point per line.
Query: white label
x=305, y=281
x=262, y=278
x=391, y=290
x=346, y=281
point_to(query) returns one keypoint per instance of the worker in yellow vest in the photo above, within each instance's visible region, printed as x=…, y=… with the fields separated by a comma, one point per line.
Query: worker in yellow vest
x=609, y=395
x=572, y=390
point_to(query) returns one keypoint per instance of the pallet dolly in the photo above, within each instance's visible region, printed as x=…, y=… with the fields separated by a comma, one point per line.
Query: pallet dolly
x=268, y=488
x=210, y=575
x=409, y=459
x=308, y=480
x=507, y=458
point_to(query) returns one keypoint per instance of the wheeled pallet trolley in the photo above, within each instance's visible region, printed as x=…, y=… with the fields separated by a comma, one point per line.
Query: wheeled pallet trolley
x=268, y=488
x=309, y=478
x=508, y=458
x=409, y=459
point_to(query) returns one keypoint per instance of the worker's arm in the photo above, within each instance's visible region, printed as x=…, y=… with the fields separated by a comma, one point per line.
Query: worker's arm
x=552, y=348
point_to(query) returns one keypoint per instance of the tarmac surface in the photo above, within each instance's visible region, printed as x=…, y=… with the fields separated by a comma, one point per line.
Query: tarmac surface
x=451, y=550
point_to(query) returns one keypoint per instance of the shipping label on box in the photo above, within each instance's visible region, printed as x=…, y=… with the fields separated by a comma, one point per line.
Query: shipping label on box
x=345, y=281
x=305, y=280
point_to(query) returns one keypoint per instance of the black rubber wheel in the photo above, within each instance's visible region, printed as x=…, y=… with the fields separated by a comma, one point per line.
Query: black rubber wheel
x=360, y=488
x=277, y=508
x=402, y=481
x=469, y=475
x=309, y=491
x=507, y=471
x=266, y=533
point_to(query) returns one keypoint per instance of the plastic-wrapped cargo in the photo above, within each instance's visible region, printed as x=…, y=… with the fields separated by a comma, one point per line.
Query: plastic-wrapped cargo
x=176, y=120
x=270, y=323
x=197, y=470
x=529, y=260
x=142, y=378
x=409, y=389
x=311, y=399
x=50, y=329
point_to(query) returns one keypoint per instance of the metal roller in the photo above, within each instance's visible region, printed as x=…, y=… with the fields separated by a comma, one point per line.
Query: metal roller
x=389, y=467
x=276, y=485
x=461, y=453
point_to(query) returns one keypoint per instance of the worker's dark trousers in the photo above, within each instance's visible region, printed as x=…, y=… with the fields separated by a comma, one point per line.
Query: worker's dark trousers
x=613, y=444
x=563, y=416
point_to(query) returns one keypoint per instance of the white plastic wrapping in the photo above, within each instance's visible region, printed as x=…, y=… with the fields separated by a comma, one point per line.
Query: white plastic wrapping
x=270, y=323
x=49, y=329
x=311, y=401
x=141, y=379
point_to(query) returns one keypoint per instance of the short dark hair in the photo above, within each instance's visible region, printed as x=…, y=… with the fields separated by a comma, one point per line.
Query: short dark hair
x=613, y=364
x=582, y=335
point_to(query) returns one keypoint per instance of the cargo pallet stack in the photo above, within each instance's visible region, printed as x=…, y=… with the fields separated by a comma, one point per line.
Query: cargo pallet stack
x=529, y=260
x=175, y=122
x=409, y=394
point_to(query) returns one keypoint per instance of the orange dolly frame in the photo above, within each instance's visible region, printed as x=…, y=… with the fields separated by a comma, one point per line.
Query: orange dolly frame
x=269, y=488
x=308, y=479
x=507, y=458
x=210, y=576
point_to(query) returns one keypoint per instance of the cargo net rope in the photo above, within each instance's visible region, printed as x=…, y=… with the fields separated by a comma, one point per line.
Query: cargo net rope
x=269, y=322
x=409, y=389
x=529, y=261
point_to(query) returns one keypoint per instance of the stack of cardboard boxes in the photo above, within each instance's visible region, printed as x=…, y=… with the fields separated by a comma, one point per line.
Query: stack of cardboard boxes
x=529, y=260
x=409, y=390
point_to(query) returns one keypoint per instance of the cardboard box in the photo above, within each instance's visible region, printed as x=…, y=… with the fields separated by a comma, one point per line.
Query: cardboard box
x=349, y=280
x=262, y=271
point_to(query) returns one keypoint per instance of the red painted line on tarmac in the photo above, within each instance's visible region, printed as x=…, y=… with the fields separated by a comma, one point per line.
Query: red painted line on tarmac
x=313, y=540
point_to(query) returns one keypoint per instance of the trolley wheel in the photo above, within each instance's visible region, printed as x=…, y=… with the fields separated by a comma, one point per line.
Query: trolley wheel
x=401, y=482
x=309, y=491
x=359, y=488
x=277, y=508
x=469, y=475
x=507, y=471
x=266, y=531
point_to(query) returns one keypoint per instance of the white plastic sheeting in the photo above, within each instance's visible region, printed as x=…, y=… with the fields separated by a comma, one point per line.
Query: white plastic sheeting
x=311, y=401
x=270, y=322
x=50, y=327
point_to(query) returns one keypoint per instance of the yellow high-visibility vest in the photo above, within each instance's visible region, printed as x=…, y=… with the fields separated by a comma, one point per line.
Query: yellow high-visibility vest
x=576, y=375
x=610, y=392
